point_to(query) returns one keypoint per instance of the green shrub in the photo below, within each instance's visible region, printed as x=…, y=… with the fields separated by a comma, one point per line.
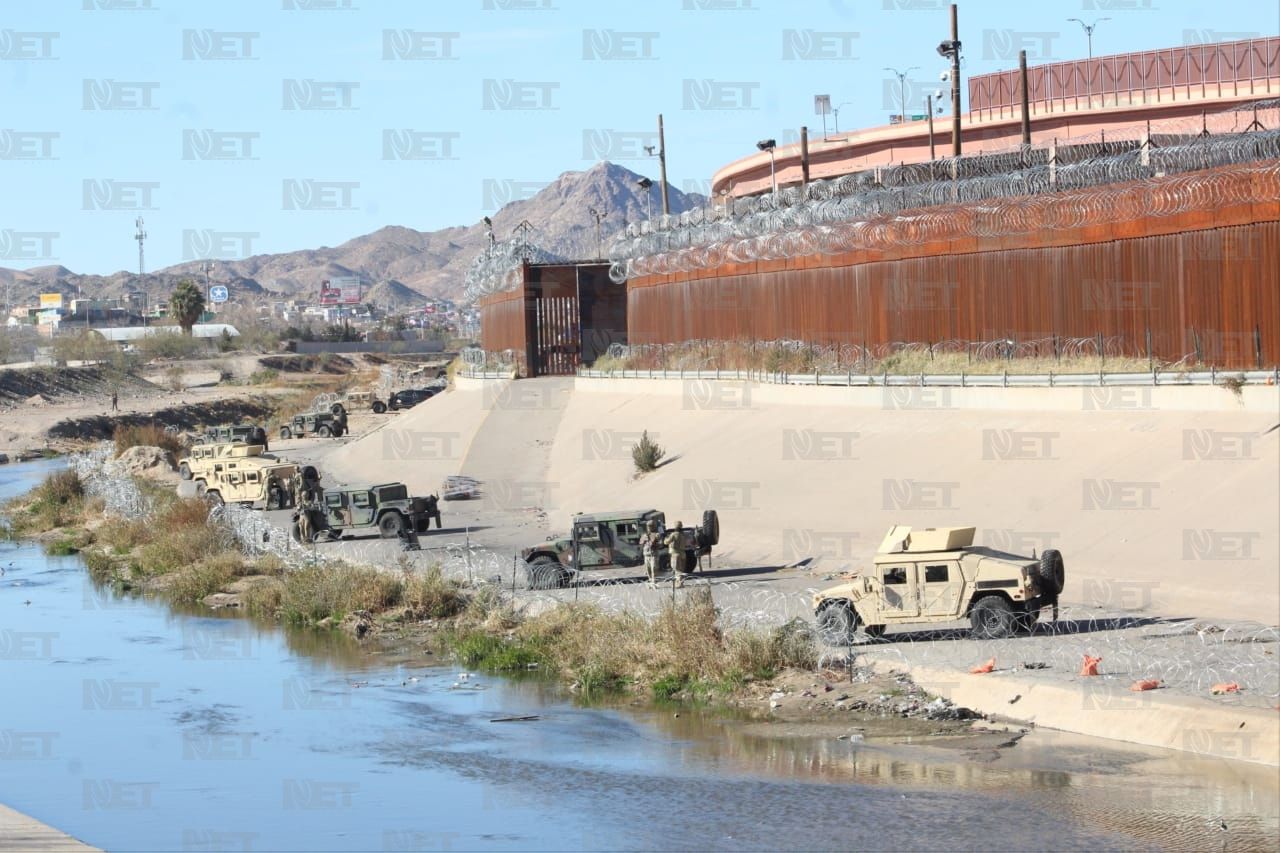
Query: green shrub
x=647, y=454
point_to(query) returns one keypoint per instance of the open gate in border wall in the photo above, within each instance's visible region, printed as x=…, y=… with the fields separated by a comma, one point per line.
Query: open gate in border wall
x=560, y=317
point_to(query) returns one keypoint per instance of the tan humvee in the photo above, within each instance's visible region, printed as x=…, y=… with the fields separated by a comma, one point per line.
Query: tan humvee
x=201, y=459
x=253, y=481
x=938, y=575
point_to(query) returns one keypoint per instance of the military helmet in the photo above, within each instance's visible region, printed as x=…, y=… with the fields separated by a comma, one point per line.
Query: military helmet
x=679, y=526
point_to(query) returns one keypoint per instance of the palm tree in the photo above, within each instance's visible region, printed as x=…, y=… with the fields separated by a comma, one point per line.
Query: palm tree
x=186, y=305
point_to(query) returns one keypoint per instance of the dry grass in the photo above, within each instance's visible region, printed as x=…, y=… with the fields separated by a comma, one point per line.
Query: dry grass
x=681, y=651
x=804, y=359
x=59, y=501
x=430, y=595
x=148, y=435
x=328, y=592
x=180, y=535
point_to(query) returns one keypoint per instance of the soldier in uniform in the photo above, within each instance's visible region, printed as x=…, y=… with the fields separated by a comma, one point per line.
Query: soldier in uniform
x=675, y=547
x=651, y=544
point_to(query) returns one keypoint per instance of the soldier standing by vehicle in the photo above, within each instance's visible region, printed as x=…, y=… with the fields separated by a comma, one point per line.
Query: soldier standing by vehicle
x=650, y=544
x=675, y=547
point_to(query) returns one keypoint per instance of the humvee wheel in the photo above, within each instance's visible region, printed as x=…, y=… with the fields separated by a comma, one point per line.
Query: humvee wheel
x=201, y=488
x=390, y=525
x=991, y=617
x=544, y=573
x=837, y=623
x=184, y=471
x=379, y=407
x=213, y=498
x=323, y=431
x=1051, y=572
x=286, y=433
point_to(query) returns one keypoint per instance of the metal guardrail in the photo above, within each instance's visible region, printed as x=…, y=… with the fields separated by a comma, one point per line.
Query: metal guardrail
x=957, y=380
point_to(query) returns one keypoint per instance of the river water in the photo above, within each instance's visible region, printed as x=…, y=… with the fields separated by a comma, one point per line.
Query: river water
x=135, y=727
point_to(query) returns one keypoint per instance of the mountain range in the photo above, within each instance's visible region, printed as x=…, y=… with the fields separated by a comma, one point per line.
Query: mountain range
x=401, y=265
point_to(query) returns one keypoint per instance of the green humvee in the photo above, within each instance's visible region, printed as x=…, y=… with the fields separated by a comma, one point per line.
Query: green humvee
x=323, y=424
x=386, y=508
x=609, y=540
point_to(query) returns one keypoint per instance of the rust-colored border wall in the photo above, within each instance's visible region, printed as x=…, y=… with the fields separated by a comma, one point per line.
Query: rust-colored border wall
x=504, y=325
x=1202, y=280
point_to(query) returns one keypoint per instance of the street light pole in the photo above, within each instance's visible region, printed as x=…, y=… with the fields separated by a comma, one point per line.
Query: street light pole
x=902, y=89
x=769, y=145
x=1088, y=30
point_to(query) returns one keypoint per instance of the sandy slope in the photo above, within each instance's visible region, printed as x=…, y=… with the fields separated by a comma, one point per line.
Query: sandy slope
x=776, y=504
x=1143, y=521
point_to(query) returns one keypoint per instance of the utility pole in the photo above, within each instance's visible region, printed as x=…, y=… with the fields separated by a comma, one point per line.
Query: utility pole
x=928, y=108
x=1026, y=99
x=662, y=166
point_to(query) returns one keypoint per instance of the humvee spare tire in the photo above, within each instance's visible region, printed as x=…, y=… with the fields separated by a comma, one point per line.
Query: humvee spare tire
x=711, y=527
x=390, y=525
x=837, y=622
x=337, y=408
x=1051, y=572
x=544, y=573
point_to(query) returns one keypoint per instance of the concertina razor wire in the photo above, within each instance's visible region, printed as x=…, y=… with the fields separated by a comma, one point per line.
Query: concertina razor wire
x=1104, y=177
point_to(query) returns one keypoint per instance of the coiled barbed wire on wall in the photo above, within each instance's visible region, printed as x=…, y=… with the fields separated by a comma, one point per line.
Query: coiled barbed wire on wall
x=1028, y=189
x=498, y=267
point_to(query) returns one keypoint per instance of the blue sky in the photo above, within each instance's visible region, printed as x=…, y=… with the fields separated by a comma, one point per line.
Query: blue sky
x=248, y=126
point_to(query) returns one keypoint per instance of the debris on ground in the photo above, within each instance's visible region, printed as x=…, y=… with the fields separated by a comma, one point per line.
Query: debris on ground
x=1230, y=687
x=983, y=668
x=1090, y=665
x=1145, y=684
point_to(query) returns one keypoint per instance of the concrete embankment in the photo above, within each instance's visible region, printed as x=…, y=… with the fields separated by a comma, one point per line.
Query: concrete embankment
x=19, y=832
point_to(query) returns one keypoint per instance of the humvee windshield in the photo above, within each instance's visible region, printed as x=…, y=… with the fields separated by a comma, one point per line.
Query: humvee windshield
x=397, y=492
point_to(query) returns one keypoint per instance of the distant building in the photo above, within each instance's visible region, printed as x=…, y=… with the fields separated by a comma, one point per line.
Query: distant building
x=128, y=334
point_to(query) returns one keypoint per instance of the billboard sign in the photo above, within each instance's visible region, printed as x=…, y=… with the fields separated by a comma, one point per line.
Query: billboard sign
x=341, y=291
x=218, y=293
x=50, y=317
x=50, y=301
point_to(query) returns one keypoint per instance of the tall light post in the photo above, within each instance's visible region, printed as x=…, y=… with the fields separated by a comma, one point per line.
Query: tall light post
x=598, y=217
x=902, y=88
x=769, y=145
x=836, y=113
x=1088, y=30
x=645, y=184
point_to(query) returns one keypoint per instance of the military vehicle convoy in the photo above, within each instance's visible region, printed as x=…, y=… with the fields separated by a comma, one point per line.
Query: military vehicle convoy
x=609, y=540
x=936, y=575
x=386, y=508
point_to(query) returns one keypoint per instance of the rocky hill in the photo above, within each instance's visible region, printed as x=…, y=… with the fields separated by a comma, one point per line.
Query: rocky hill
x=403, y=264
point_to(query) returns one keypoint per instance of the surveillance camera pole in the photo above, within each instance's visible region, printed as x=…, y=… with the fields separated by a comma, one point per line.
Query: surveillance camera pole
x=955, y=81
x=662, y=166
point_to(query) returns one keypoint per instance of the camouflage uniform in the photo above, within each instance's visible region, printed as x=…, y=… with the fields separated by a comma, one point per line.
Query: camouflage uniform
x=650, y=544
x=675, y=547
